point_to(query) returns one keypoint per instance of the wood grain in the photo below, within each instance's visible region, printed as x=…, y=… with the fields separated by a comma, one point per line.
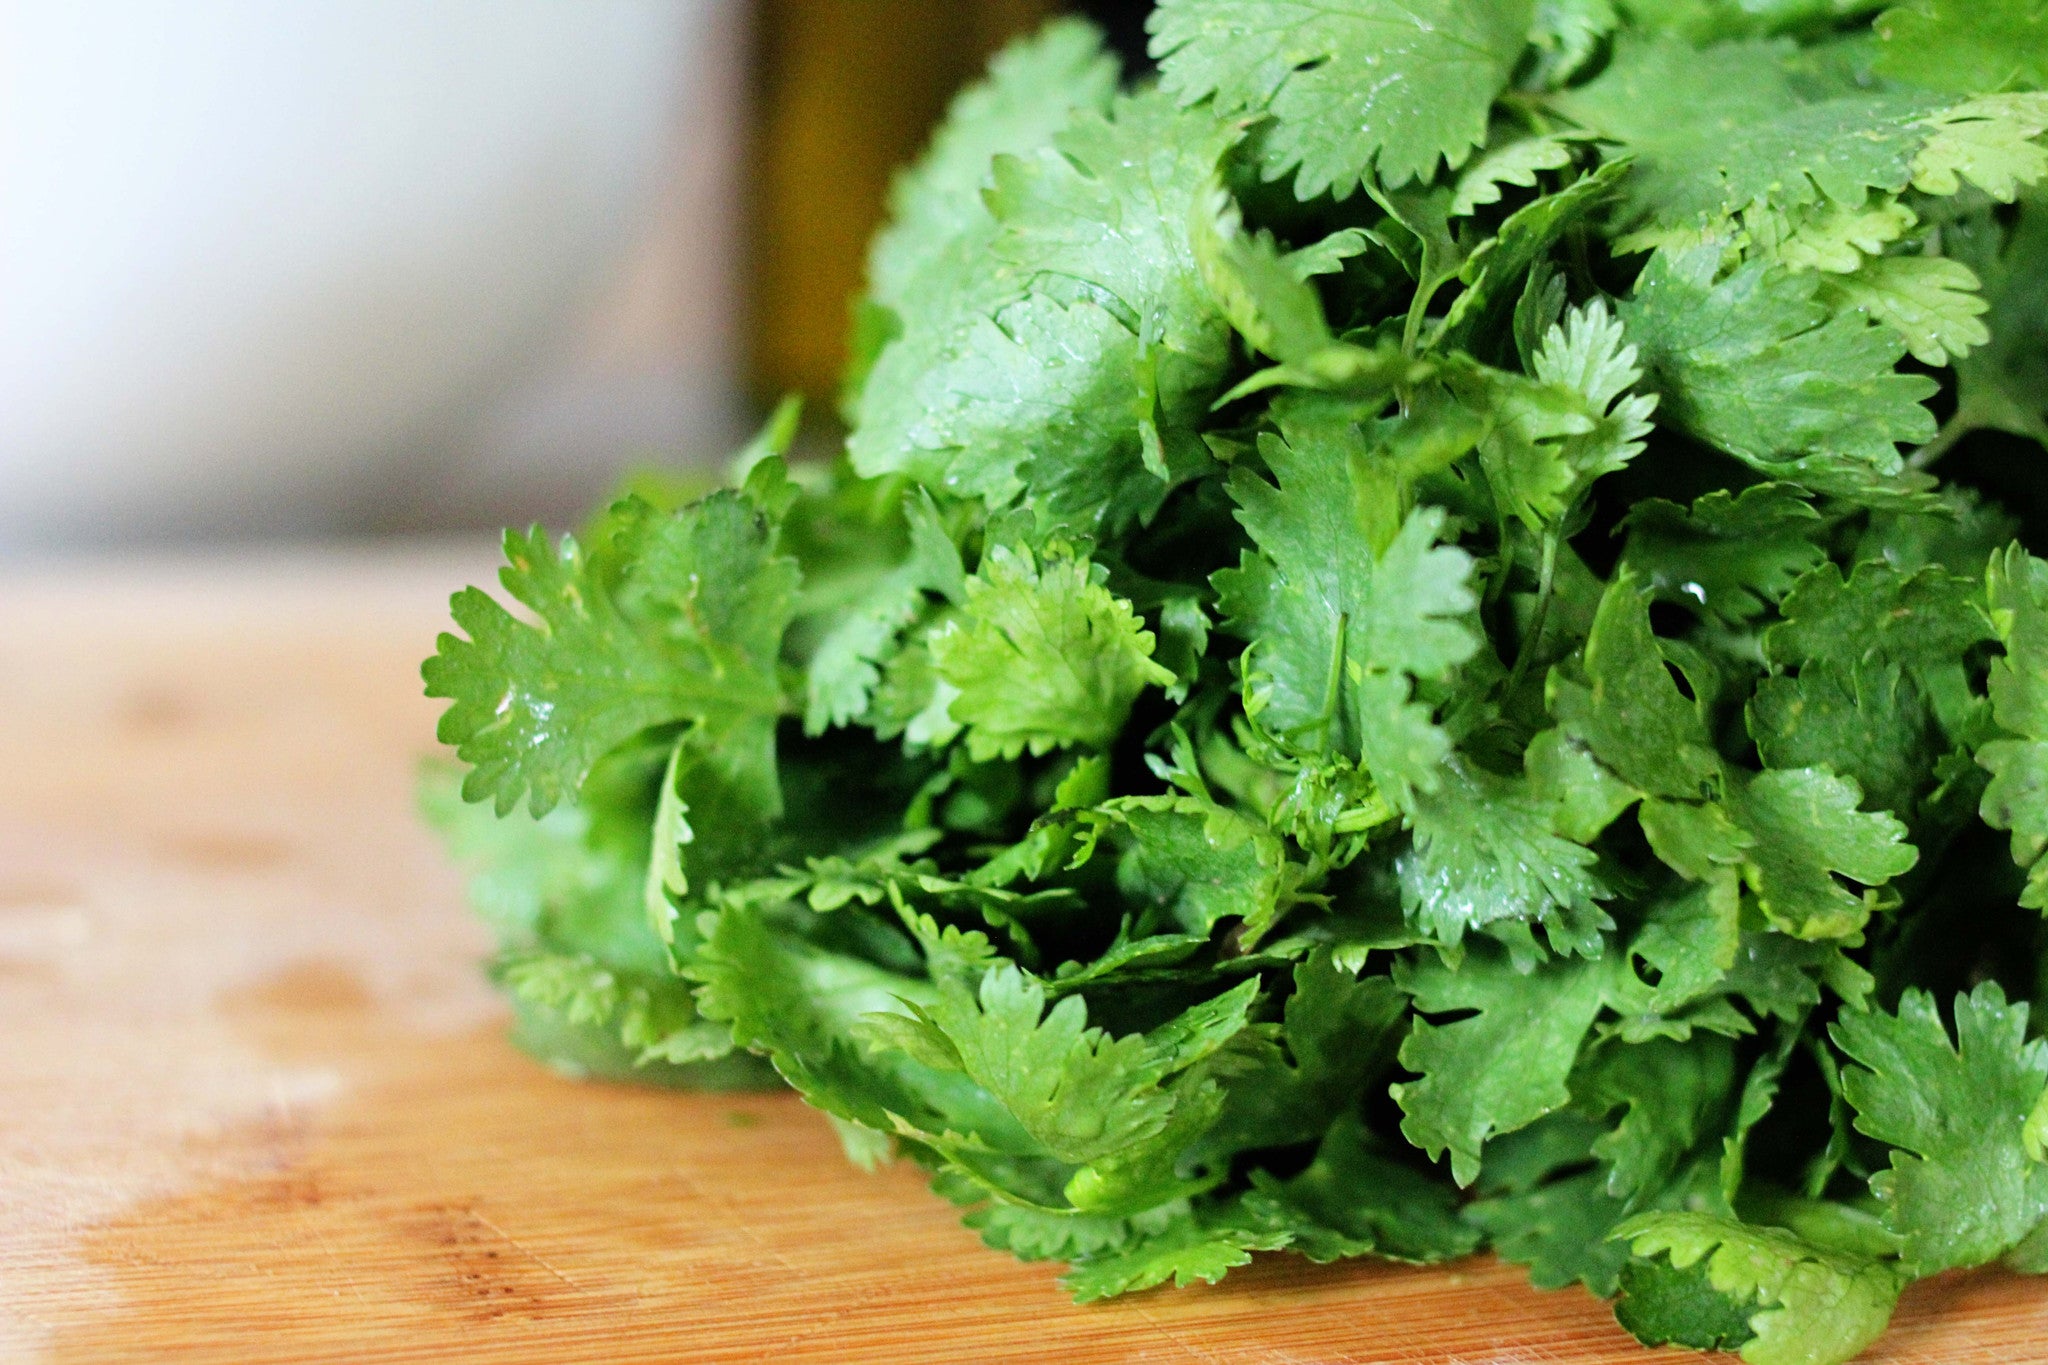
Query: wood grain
x=255, y=1105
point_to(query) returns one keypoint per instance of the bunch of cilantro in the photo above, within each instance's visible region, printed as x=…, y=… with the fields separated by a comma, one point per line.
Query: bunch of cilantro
x=1386, y=669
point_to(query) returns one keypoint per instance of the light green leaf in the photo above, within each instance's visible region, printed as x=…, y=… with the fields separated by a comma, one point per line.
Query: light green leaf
x=690, y=636
x=1043, y=656
x=1338, y=633
x=1081, y=1094
x=1512, y=162
x=1806, y=830
x=1185, y=1253
x=1265, y=297
x=1931, y=302
x=1038, y=346
x=1968, y=45
x=1388, y=88
x=2017, y=799
x=1826, y=236
x=1991, y=141
x=1031, y=90
x=1962, y=1188
x=1485, y=853
x=1812, y=1306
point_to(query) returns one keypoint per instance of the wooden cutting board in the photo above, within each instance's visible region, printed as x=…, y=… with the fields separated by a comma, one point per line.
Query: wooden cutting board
x=255, y=1104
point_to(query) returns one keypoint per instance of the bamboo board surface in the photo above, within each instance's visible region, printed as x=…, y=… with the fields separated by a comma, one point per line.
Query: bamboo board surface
x=255, y=1104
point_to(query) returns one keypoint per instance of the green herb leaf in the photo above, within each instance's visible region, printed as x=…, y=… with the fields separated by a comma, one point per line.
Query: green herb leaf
x=1962, y=1189
x=1043, y=655
x=1755, y=365
x=1816, y=1307
x=1360, y=87
x=1339, y=632
x=690, y=636
x=1504, y=1067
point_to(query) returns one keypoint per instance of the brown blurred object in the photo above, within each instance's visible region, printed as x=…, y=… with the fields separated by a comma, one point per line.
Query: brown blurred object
x=848, y=91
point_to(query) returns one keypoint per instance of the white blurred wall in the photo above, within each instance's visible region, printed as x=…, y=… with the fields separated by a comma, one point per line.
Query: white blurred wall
x=280, y=268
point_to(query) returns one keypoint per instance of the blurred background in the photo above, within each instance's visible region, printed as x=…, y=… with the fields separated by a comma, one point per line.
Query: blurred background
x=345, y=268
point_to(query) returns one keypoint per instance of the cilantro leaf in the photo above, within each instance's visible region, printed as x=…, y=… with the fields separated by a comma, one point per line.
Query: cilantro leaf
x=1080, y=1094
x=1805, y=830
x=1486, y=858
x=1668, y=1097
x=1962, y=1188
x=1735, y=556
x=1586, y=353
x=1381, y=87
x=527, y=875
x=1558, y=1230
x=1722, y=129
x=1495, y=267
x=1690, y=939
x=1552, y=439
x=1265, y=297
x=1511, y=163
x=1078, y=310
x=1754, y=364
x=796, y=1004
x=1829, y=236
x=1868, y=721
x=1185, y=1252
x=1196, y=862
x=845, y=665
x=1032, y=89
x=1542, y=1208
x=1966, y=44
x=1624, y=705
x=1925, y=619
x=1341, y=632
x=1931, y=302
x=690, y=637
x=1663, y=1305
x=652, y=1014
x=1742, y=130
x=2017, y=590
x=1990, y=141
x=1043, y=655
x=1811, y=1306
x=1338, y=1030
x=1583, y=797
x=1354, y=1200
x=1504, y=1067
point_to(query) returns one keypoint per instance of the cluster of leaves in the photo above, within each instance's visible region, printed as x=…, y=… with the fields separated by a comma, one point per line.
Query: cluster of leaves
x=1385, y=669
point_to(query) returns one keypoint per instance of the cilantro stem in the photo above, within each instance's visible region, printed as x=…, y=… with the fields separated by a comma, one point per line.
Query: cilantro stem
x=1531, y=108
x=1961, y=424
x=1411, y=331
x=1581, y=260
x=1546, y=582
x=1335, y=686
x=1326, y=718
x=1369, y=815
